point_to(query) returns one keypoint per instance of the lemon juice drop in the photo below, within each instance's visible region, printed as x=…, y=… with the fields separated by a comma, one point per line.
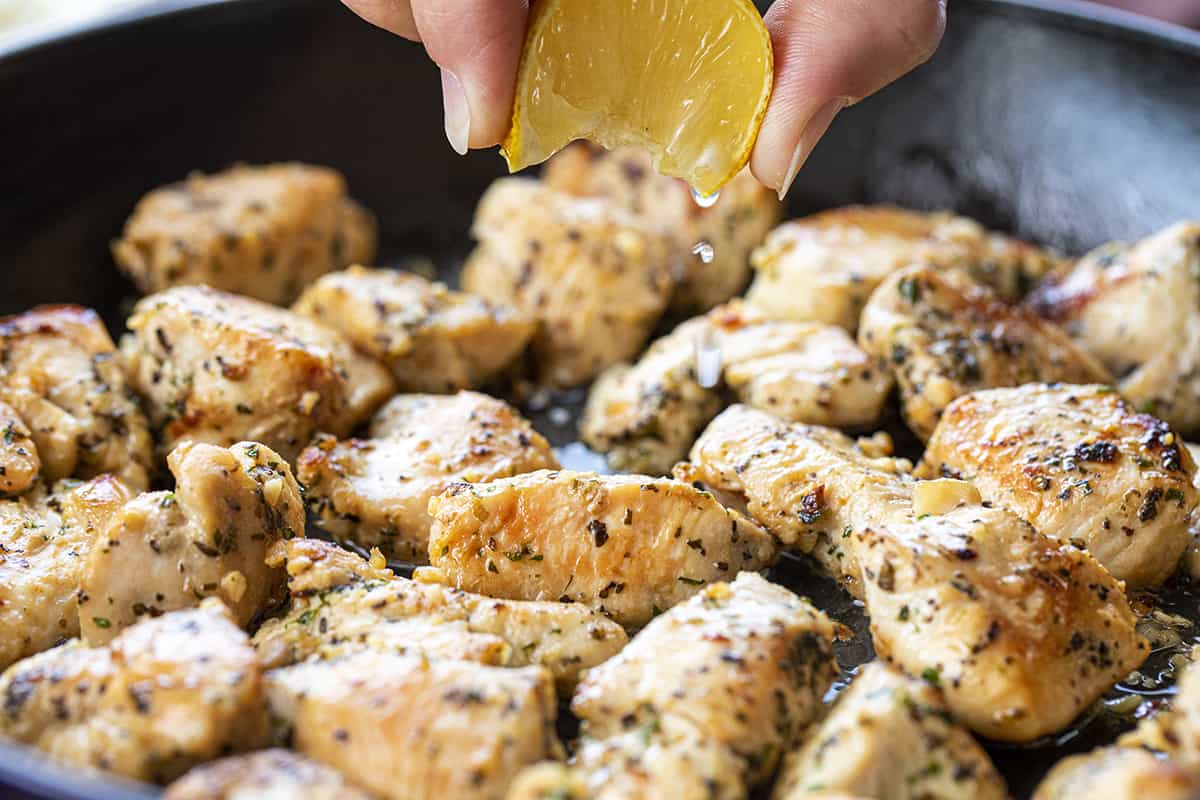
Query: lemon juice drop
x=705, y=200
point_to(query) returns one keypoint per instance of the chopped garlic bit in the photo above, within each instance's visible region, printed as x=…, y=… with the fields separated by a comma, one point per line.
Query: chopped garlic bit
x=942, y=495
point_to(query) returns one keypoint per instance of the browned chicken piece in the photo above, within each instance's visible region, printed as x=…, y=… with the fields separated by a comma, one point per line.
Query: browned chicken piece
x=221, y=368
x=890, y=736
x=629, y=546
x=646, y=416
x=810, y=486
x=59, y=373
x=431, y=338
x=44, y=538
x=1080, y=464
x=169, y=550
x=407, y=728
x=342, y=603
x=375, y=492
x=946, y=336
x=595, y=278
x=167, y=694
x=1159, y=760
x=704, y=701
x=19, y=461
x=736, y=224
x=266, y=775
x=262, y=231
x=1137, y=308
x=1022, y=631
x=824, y=267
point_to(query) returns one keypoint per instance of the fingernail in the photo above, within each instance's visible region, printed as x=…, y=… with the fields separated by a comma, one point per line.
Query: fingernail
x=818, y=123
x=458, y=113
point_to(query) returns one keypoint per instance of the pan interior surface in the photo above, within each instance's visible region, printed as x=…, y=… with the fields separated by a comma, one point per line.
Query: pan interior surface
x=1064, y=130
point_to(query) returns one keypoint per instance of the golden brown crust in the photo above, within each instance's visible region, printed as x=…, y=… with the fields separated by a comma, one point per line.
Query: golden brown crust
x=431, y=338
x=946, y=336
x=1081, y=465
x=261, y=231
x=60, y=374
x=627, y=545
x=375, y=492
x=595, y=279
x=221, y=368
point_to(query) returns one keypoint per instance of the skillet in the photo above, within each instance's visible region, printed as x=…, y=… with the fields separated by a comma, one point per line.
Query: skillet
x=1061, y=122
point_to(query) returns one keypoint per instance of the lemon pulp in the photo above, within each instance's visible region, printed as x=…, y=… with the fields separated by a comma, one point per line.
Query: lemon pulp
x=687, y=80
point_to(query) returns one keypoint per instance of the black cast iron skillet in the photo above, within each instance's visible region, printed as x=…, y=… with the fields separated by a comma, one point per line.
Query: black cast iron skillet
x=1059, y=122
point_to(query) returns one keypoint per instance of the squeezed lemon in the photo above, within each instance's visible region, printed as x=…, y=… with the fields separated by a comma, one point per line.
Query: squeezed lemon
x=687, y=80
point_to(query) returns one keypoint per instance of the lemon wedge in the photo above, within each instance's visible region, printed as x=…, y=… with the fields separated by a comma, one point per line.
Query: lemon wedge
x=686, y=80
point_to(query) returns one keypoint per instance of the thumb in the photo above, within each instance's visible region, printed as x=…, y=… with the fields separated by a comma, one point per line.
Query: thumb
x=477, y=44
x=830, y=54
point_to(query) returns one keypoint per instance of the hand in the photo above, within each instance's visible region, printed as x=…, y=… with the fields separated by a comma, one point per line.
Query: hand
x=828, y=54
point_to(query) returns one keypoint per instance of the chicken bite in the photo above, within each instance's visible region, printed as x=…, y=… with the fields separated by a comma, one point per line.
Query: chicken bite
x=1159, y=760
x=342, y=603
x=221, y=368
x=627, y=545
x=407, y=728
x=824, y=267
x=809, y=485
x=19, y=461
x=375, y=492
x=169, y=550
x=946, y=336
x=271, y=773
x=704, y=701
x=45, y=536
x=645, y=416
x=595, y=278
x=1081, y=465
x=431, y=338
x=890, y=736
x=167, y=694
x=59, y=374
x=261, y=231
x=732, y=227
x=1022, y=631
x=1137, y=309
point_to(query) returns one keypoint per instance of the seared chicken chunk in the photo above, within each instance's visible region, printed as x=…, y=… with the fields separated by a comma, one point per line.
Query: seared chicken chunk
x=824, y=267
x=407, y=728
x=646, y=416
x=1137, y=309
x=432, y=339
x=19, y=462
x=1079, y=464
x=626, y=545
x=732, y=227
x=342, y=603
x=276, y=774
x=165, y=695
x=59, y=373
x=595, y=278
x=169, y=550
x=1160, y=760
x=890, y=736
x=220, y=368
x=44, y=538
x=810, y=486
x=946, y=336
x=265, y=232
x=1021, y=630
x=704, y=700
x=375, y=492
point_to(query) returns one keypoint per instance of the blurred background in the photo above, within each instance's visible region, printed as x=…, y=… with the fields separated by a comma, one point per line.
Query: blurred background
x=31, y=17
